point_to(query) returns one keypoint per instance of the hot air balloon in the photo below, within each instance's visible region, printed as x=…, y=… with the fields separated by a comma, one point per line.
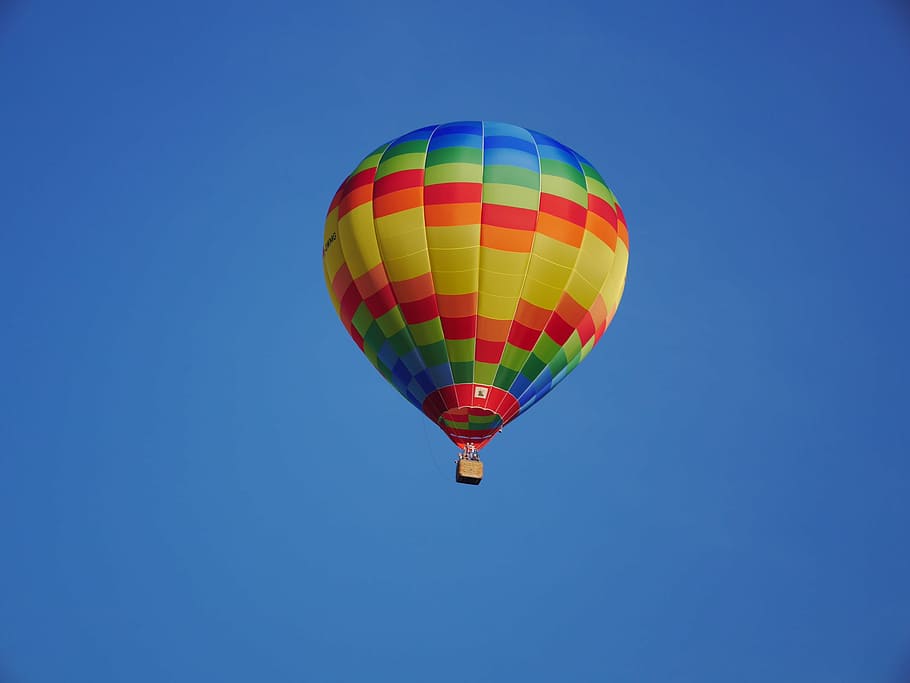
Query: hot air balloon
x=475, y=264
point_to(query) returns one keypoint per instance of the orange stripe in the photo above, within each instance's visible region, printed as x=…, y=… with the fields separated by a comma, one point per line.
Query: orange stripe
x=623, y=233
x=492, y=329
x=356, y=197
x=415, y=289
x=598, y=311
x=394, y=202
x=601, y=229
x=372, y=281
x=570, y=310
x=505, y=239
x=531, y=316
x=341, y=281
x=452, y=214
x=560, y=229
x=457, y=305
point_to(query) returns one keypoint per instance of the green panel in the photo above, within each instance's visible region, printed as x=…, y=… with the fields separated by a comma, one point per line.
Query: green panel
x=513, y=357
x=374, y=338
x=511, y=175
x=484, y=372
x=460, y=350
x=533, y=367
x=558, y=363
x=434, y=354
x=572, y=346
x=409, y=147
x=545, y=347
x=591, y=172
x=463, y=373
x=401, y=343
x=557, y=168
x=504, y=377
x=362, y=319
x=455, y=155
x=391, y=322
x=428, y=332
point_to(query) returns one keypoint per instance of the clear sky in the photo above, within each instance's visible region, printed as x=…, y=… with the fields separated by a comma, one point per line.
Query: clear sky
x=197, y=477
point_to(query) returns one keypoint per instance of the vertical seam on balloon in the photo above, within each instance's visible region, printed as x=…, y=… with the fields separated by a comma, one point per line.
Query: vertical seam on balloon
x=524, y=279
x=426, y=241
x=564, y=291
x=483, y=143
x=407, y=328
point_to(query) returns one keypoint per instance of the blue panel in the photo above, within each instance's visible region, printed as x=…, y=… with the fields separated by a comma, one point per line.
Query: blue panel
x=461, y=128
x=441, y=375
x=419, y=134
x=387, y=355
x=519, y=386
x=425, y=381
x=402, y=373
x=440, y=141
x=416, y=401
x=415, y=390
x=499, y=156
x=509, y=142
x=497, y=128
x=412, y=361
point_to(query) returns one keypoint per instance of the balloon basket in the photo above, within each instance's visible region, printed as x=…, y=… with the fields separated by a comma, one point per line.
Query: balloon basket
x=468, y=471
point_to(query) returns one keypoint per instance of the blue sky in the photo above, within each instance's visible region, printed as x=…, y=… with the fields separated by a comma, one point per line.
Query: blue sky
x=197, y=477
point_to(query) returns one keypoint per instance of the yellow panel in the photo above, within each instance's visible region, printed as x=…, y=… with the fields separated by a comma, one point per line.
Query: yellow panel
x=594, y=261
x=554, y=250
x=453, y=236
x=399, y=223
x=453, y=173
x=358, y=240
x=455, y=282
x=500, y=284
x=548, y=272
x=401, y=244
x=401, y=162
x=612, y=288
x=410, y=266
x=582, y=291
x=371, y=161
x=455, y=259
x=563, y=187
x=511, y=195
x=497, y=307
x=598, y=189
x=541, y=294
x=507, y=262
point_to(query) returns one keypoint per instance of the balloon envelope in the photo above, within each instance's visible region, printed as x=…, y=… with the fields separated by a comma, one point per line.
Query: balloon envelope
x=475, y=264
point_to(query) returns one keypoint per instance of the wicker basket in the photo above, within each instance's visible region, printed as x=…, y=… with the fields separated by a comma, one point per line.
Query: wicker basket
x=469, y=472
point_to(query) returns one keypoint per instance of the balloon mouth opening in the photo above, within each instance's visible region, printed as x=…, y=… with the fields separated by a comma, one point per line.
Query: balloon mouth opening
x=470, y=419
